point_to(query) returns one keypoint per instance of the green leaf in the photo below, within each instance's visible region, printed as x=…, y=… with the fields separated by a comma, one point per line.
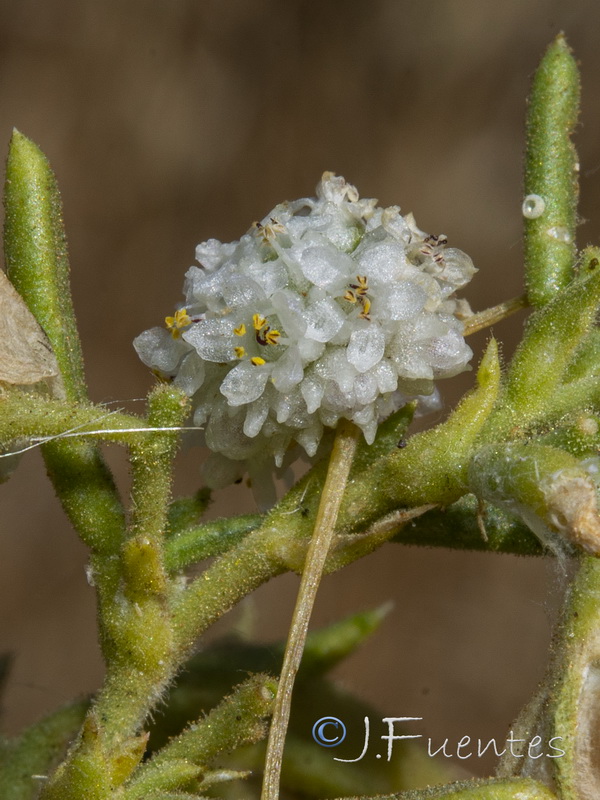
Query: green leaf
x=214, y=671
x=458, y=527
x=579, y=435
x=329, y=646
x=37, y=263
x=35, y=248
x=188, y=546
x=553, y=337
x=36, y=752
x=86, y=773
x=551, y=173
x=237, y=720
x=184, y=512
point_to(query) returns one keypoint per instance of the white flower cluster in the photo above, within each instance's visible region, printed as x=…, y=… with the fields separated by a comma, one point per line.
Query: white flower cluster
x=330, y=307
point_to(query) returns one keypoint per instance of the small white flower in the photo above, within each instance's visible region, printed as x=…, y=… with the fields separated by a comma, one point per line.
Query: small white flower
x=329, y=307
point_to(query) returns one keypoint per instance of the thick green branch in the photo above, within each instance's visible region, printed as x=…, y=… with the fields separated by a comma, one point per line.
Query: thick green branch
x=32, y=416
x=142, y=659
x=575, y=693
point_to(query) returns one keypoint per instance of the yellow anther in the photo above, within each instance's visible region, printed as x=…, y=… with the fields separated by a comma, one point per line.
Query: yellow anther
x=170, y=323
x=240, y=330
x=270, y=230
x=272, y=337
x=364, y=314
x=240, y=352
x=258, y=322
x=180, y=320
x=258, y=361
x=363, y=286
x=350, y=296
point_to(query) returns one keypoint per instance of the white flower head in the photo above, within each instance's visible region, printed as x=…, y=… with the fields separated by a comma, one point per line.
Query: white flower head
x=329, y=307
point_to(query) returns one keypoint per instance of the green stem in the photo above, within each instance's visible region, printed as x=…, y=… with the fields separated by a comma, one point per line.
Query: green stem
x=580, y=394
x=135, y=618
x=234, y=575
x=143, y=657
x=455, y=527
x=340, y=462
x=575, y=714
x=33, y=416
x=38, y=266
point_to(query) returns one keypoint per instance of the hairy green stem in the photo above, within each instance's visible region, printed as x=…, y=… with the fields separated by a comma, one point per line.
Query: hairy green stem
x=237, y=573
x=575, y=703
x=143, y=656
x=136, y=621
x=28, y=415
x=38, y=266
x=33, y=416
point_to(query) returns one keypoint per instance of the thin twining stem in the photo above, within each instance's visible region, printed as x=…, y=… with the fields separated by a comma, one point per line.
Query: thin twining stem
x=344, y=446
x=483, y=319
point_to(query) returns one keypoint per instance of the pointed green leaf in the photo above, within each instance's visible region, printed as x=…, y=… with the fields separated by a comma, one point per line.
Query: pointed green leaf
x=551, y=174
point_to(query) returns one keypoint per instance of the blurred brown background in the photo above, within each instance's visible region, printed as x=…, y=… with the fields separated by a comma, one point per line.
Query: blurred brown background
x=171, y=122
